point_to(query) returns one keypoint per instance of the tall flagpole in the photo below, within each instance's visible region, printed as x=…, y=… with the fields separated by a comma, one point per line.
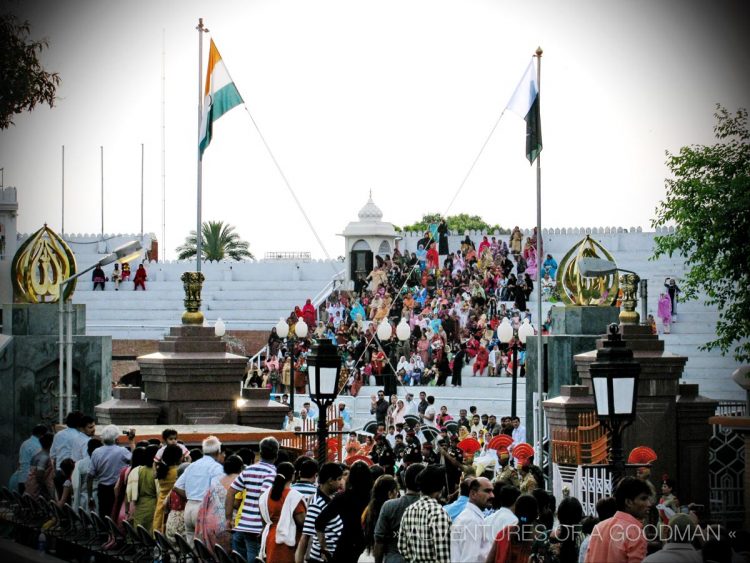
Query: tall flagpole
x=142, y=162
x=62, y=225
x=539, y=426
x=198, y=242
x=101, y=157
x=163, y=147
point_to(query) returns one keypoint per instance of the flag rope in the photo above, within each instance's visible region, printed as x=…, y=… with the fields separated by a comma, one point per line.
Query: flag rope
x=287, y=184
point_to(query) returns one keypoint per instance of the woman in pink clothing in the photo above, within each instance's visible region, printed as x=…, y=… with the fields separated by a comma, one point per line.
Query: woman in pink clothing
x=665, y=312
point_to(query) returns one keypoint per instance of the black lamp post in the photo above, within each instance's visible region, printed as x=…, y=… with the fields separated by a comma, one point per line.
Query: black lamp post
x=614, y=381
x=300, y=332
x=323, y=371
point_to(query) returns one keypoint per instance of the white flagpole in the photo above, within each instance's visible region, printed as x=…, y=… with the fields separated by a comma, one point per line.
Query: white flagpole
x=142, y=162
x=539, y=414
x=101, y=153
x=198, y=242
x=62, y=226
x=163, y=244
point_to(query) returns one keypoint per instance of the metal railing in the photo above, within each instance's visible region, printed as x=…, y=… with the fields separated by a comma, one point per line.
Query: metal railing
x=305, y=256
x=731, y=408
x=320, y=298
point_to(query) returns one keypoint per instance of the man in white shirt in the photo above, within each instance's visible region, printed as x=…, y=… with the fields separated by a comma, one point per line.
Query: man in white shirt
x=430, y=412
x=410, y=404
x=469, y=539
x=519, y=432
x=503, y=516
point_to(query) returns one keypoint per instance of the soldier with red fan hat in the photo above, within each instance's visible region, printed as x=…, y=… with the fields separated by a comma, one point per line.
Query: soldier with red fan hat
x=529, y=475
x=508, y=474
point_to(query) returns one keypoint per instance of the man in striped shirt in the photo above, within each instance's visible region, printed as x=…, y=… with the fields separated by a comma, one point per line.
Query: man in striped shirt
x=307, y=471
x=254, y=480
x=329, y=479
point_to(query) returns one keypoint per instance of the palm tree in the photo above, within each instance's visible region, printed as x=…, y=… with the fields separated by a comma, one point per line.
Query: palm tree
x=218, y=241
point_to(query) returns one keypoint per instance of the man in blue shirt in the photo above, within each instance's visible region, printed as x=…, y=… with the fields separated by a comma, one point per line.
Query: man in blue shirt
x=29, y=448
x=457, y=507
x=194, y=482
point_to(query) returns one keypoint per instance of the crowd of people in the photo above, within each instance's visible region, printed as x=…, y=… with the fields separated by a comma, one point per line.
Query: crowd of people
x=99, y=278
x=435, y=502
x=452, y=302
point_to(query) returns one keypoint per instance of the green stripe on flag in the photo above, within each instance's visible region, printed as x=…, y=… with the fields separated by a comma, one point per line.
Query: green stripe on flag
x=221, y=102
x=533, y=131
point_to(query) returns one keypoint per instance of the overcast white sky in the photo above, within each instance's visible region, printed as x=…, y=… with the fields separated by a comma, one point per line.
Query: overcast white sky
x=396, y=96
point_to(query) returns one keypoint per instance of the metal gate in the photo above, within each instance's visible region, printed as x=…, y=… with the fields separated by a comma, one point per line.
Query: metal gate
x=726, y=468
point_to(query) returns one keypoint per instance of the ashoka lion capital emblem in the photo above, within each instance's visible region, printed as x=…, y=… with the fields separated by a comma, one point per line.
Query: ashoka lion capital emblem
x=193, y=283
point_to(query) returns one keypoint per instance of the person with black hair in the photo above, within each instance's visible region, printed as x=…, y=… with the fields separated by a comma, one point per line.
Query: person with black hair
x=329, y=482
x=386, y=532
x=605, y=508
x=505, y=501
x=563, y=543
x=620, y=539
x=424, y=534
x=169, y=437
x=348, y=506
x=468, y=541
x=282, y=509
x=210, y=523
x=306, y=470
x=514, y=543
x=141, y=492
x=66, y=467
x=80, y=477
x=67, y=443
x=40, y=481
x=384, y=489
x=247, y=455
x=166, y=473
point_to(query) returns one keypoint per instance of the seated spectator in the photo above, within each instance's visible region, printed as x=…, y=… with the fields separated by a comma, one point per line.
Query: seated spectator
x=140, y=278
x=98, y=278
x=125, y=272
x=116, y=276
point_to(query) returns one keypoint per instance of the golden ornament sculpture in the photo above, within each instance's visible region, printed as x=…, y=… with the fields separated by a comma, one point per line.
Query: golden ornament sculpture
x=38, y=267
x=193, y=283
x=574, y=289
x=628, y=314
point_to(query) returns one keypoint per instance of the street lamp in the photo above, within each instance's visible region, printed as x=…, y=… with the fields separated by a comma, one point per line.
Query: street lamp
x=614, y=381
x=220, y=328
x=323, y=371
x=505, y=334
x=125, y=253
x=300, y=332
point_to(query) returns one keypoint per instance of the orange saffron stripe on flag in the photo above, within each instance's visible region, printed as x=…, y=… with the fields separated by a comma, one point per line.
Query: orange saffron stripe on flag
x=213, y=58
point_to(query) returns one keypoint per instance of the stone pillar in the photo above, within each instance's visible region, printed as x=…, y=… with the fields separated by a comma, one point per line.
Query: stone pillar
x=259, y=411
x=693, y=435
x=658, y=387
x=192, y=378
x=126, y=409
x=574, y=330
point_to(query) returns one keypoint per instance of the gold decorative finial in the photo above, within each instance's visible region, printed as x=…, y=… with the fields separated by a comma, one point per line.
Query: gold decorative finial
x=38, y=267
x=574, y=289
x=539, y=51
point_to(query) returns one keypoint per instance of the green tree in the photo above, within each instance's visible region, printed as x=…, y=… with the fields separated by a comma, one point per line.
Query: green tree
x=23, y=81
x=219, y=241
x=459, y=223
x=708, y=202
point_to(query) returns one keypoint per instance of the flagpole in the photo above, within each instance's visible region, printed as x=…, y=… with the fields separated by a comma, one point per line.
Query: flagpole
x=539, y=430
x=101, y=156
x=62, y=226
x=163, y=147
x=198, y=242
x=142, y=159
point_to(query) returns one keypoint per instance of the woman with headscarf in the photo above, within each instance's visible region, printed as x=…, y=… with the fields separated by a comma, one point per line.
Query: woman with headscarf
x=515, y=240
x=308, y=314
x=665, y=312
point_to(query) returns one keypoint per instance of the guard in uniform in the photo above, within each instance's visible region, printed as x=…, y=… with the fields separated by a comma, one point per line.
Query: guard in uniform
x=508, y=474
x=382, y=454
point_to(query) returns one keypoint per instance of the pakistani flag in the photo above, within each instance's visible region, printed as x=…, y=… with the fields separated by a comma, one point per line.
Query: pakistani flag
x=221, y=95
x=525, y=102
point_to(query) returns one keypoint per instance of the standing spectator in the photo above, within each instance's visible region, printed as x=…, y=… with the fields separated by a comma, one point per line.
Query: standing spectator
x=308, y=472
x=384, y=489
x=166, y=474
x=283, y=511
x=633, y=504
x=81, y=475
x=348, y=506
x=329, y=482
x=143, y=494
x=29, y=448
x=379, y=407
x=254, y=480
x=386, y=533
x=673, y=290
x=519, y=432
x=210, y=525
x=120, y=506
x=678, y=547
x=40, y=480
x=424, y=535
x=194, y=482
x=71, y=442
x=140, y=278
x=505, y=499
x=106, y=463
x=563, y=542
x=664, y=311
x=345, y=416
x=468, y=542
x=514, y=543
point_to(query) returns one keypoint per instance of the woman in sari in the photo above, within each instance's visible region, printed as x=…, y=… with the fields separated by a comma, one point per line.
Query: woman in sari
x=141, y=491
x=121, y=508
x=166, y=474
x=283, y=511
x=211, y=521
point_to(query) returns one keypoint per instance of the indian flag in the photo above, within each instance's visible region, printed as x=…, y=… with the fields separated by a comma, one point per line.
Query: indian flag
x=221, y=95
x=525, y=102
